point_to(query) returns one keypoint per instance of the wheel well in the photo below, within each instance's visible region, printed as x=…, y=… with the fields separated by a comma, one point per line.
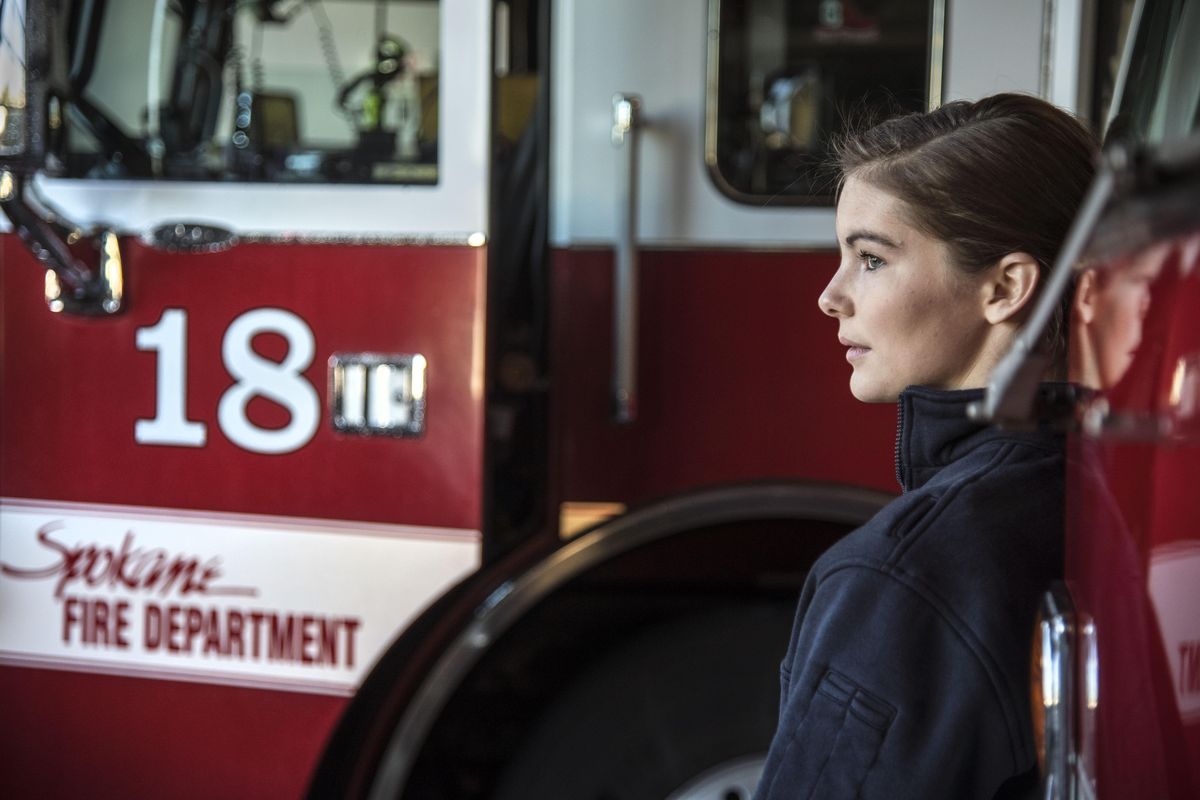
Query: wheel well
x=753, y=568
x=442, y=714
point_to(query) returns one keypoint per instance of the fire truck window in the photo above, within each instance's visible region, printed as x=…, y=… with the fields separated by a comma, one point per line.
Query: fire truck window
x=790, y=74
x=301, y=91
x=12, y=77
x=1161, y=98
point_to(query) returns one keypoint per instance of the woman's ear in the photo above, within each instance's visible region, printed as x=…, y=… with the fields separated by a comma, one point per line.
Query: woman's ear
x=1084, y=304
x=1010, y=287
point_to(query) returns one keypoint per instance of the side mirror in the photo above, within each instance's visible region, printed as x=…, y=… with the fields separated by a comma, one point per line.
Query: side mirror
x=24, y=78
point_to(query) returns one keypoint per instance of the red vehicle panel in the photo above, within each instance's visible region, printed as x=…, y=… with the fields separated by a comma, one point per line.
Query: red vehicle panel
x=741, y=378
x=193, y=739
x=1133, y=533
x=70, y=407
x=69, y=427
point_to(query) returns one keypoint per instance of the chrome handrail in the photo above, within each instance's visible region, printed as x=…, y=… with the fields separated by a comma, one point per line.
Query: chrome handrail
x=627, y=110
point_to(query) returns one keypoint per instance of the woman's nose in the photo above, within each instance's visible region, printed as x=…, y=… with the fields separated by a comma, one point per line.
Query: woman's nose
x=833, y=300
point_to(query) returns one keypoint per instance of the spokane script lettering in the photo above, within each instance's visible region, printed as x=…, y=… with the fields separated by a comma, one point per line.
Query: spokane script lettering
x=128, y=567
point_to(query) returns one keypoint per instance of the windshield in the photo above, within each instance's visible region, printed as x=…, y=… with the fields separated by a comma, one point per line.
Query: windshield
x=259, y=90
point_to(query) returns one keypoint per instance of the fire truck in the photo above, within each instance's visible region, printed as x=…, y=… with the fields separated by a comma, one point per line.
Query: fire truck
x=427, y=398
x=1116, y=685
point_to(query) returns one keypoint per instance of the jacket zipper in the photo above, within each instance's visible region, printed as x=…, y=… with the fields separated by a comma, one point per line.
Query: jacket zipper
x=899, y=433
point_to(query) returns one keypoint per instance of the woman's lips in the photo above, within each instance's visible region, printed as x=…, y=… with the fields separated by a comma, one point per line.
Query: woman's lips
x=855, y=352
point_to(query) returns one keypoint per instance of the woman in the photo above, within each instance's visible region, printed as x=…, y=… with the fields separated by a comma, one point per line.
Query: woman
x=907, y=672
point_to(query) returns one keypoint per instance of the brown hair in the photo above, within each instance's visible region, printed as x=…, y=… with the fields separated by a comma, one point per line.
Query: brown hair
x=1001, y=175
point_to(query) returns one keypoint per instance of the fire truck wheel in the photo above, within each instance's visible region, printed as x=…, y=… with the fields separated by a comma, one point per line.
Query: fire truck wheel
x=682, y=710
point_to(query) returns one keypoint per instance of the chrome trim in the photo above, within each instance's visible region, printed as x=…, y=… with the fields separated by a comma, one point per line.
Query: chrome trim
x=70, y=285
x=359, y=239
x=373, y=415
x=190, y=237
x=509, y=602
x=627, y=119
x=1089, y=697
x=936, y=70
x=149, y=237
x=1047, y=49
x=107, y=289
x=1056, y=629
x=712, y=75
x=691, y=246
x=937, y=52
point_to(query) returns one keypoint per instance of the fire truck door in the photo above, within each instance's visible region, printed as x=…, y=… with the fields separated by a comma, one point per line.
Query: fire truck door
x=269, y=460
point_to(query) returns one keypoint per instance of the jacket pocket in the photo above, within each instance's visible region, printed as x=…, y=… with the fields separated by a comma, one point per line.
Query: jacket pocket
x=835, y=745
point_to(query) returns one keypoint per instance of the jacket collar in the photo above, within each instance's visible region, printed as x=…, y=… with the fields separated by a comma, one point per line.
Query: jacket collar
x=932, y=431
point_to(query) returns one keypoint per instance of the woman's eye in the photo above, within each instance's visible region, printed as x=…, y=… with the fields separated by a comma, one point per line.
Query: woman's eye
x=870, y=262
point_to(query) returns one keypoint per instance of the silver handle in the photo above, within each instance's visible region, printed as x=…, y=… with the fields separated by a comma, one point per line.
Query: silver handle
x=626, y=122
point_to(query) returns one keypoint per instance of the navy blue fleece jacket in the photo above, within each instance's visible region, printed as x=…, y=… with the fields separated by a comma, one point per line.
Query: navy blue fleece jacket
x=907, y=673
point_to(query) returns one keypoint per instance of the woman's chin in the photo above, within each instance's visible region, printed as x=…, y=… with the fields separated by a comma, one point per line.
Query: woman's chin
x=866, y=391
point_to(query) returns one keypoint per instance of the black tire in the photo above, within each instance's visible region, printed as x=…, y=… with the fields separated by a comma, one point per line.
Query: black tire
x=663, y=709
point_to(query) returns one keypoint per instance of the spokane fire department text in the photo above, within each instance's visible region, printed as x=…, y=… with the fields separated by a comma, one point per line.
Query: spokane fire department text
x=193, y=630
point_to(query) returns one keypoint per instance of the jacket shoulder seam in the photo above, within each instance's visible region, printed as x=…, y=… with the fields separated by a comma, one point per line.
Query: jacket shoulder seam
x=945, y=499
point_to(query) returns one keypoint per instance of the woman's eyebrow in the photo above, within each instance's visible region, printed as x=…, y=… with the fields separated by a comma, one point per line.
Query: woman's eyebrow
x=871, y=236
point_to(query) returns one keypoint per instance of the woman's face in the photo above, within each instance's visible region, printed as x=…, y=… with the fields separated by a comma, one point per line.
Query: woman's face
x=906, y=315
x=1110, y=310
